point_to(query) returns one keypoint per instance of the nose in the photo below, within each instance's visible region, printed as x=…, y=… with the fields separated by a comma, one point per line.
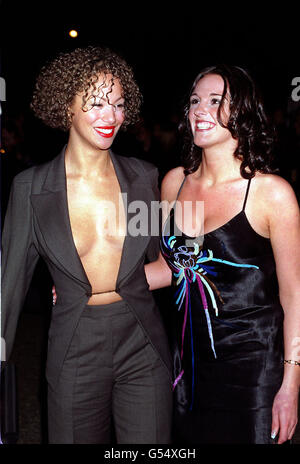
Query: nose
x=200, y=109
x=108, y=114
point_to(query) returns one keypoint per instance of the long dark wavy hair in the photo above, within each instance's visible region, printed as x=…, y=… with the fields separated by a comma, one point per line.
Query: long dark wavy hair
x=247, y=123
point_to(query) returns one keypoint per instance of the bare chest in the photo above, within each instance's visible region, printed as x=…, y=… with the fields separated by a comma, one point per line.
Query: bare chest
x=205, y=210
x=97, y=218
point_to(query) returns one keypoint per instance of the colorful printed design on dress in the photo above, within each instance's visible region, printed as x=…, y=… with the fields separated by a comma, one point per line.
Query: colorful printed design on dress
x=192, y=266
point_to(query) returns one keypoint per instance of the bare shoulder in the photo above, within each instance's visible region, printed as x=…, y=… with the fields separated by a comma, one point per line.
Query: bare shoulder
x=171, y=183
x=275, y=190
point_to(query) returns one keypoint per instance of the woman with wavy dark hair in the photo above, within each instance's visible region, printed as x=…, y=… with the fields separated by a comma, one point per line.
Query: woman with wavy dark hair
x=235, y=267
x=108, y=355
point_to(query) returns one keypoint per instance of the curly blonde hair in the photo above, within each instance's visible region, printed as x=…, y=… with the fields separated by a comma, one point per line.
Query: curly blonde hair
x=75, y=72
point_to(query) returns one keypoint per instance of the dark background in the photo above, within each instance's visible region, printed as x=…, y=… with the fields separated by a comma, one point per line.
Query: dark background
x=167, y=43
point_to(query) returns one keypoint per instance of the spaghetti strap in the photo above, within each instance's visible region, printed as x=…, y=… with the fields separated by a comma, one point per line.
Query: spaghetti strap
x=246, y=195
x=180, y=188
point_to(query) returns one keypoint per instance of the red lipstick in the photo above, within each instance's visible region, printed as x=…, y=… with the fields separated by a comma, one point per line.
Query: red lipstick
x=202, y=125
x=105, y=131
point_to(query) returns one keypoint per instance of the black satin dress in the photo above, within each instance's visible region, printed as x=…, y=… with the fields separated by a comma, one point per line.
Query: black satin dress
x=227, y=333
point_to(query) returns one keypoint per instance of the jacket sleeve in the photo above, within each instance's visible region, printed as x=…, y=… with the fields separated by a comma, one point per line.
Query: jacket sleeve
x=19, y=258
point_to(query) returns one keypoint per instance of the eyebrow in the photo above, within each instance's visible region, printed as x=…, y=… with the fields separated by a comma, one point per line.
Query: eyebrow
x=105, y=98
x=211, y=94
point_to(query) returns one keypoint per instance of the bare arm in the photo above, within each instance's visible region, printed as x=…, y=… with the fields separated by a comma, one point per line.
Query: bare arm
x=284, y=224
x=158, y=273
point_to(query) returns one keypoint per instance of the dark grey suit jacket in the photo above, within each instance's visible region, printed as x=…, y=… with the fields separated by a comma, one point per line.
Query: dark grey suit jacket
x=37, y=224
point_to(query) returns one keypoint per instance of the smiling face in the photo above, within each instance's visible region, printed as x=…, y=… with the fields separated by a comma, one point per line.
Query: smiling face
x=203, y=112
x=98, y=122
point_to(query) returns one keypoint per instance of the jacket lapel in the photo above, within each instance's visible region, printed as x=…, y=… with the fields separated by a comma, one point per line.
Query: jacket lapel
x=134, y=188
x=51, y=210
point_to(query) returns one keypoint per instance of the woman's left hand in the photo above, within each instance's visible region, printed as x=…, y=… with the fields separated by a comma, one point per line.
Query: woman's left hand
x=285, y=414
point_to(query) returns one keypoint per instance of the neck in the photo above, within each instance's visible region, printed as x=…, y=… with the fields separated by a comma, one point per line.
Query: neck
x=219, y=164
x=86, y=161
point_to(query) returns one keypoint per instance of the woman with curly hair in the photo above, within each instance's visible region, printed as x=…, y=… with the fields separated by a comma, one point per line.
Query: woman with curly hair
x=235, y=268
x=108, y=356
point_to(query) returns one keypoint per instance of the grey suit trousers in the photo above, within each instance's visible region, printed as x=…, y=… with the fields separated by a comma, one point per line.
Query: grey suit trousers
x=111, y=376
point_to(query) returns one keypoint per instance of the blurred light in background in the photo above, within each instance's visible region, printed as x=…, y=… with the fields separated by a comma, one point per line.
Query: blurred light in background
x=73, y=33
